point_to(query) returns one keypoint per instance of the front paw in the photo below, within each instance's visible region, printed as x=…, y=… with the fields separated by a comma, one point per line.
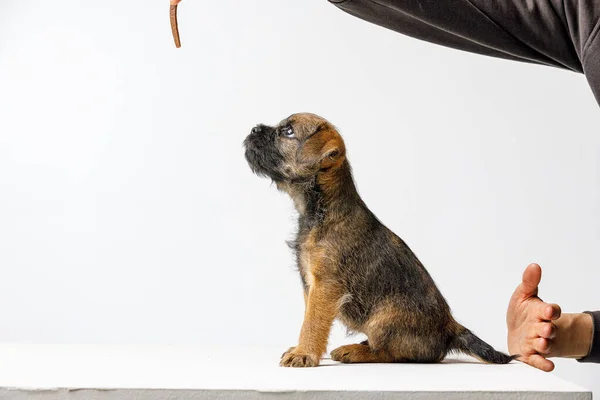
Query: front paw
x=298, y=359
x=288, y=351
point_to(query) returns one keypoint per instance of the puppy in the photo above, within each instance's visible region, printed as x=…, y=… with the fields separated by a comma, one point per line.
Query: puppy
x=352, y=267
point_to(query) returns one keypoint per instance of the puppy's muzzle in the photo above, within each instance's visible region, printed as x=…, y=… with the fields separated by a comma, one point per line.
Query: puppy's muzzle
x=256, y=142
x=261, y=152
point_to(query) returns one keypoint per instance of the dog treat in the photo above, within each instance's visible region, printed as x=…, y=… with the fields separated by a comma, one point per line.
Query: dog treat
x=174, y=24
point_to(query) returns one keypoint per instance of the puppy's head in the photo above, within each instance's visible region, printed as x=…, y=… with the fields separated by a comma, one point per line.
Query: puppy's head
x=296, y=150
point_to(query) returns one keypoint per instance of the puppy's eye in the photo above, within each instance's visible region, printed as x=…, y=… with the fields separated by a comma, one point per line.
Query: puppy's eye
x=287, y=131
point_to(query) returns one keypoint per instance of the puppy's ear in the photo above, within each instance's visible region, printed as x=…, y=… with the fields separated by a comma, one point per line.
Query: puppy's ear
x=324, y=148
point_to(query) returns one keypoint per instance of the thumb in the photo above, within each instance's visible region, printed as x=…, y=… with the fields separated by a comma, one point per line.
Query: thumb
x=531, y=279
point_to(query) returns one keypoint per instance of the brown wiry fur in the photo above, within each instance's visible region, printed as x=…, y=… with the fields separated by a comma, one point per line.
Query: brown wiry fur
x=352, y=267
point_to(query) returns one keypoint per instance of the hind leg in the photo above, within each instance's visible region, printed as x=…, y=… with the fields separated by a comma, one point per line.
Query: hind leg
x=360, y=353
x=406, y=337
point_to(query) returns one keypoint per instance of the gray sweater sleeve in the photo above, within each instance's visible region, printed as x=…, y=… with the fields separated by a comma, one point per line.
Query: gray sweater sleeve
x=591, y=61
x=559, y=33
x=594, y=355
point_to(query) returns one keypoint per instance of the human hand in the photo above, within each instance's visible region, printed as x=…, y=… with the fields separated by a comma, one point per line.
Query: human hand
x=538, y=330
x=531, y=331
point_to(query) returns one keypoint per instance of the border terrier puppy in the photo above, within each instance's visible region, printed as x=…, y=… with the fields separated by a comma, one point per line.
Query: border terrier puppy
x=352, y=267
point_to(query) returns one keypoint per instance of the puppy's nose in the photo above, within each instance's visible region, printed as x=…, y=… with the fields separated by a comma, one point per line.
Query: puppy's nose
x=256, y=129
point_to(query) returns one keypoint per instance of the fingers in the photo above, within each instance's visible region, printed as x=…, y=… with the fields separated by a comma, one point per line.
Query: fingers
x=174, y=2
x=545, y=312
x=542, y=346
x=552, y=312
x=539, y=362
x=531, y=279
x=546, y=330
x=538, y=339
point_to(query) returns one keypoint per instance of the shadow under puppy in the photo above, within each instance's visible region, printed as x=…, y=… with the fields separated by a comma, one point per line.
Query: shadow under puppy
x=352, y=267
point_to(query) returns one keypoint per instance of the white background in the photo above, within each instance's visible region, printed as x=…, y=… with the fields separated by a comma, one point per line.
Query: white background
x=128, y=213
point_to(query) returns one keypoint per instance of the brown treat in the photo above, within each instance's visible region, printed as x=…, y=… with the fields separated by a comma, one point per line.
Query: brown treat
x=174, y=25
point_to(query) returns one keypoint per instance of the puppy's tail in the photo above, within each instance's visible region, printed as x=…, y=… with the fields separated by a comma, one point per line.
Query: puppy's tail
x=468, y=343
